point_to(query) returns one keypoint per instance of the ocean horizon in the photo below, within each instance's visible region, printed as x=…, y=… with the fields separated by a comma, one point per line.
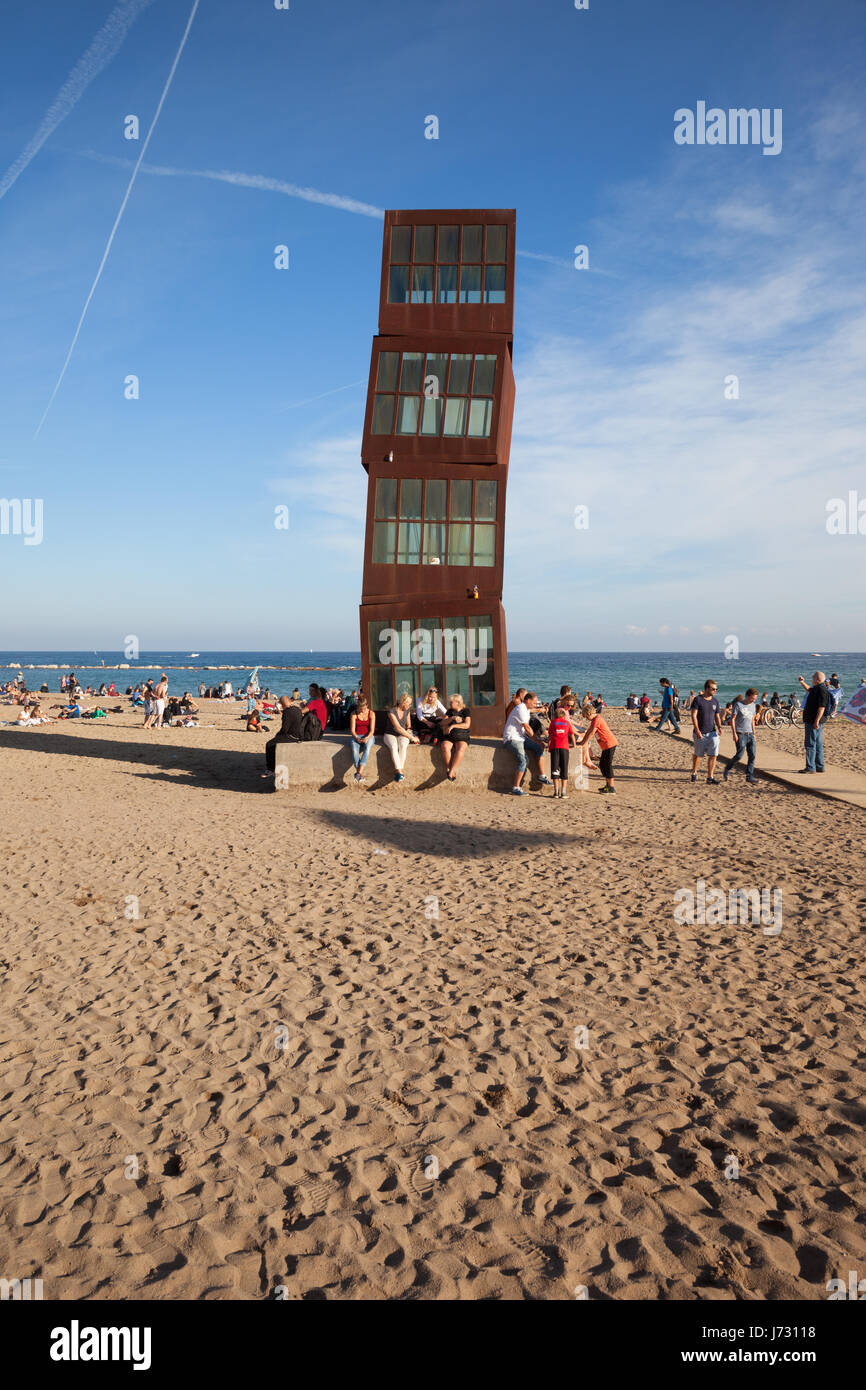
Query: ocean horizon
x=612, y=674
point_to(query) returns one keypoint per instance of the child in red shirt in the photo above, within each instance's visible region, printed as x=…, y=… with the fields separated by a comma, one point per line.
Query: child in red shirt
x=607, y=742
x=560, y=737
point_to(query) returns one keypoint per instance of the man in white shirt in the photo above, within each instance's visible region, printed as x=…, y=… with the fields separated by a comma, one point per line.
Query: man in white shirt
x=518, y=736
x=743, y=730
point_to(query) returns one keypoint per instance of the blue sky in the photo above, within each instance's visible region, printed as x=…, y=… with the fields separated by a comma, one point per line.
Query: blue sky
x=706, y=515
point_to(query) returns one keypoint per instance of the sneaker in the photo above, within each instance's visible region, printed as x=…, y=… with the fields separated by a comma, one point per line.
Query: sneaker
x=545, y=781
x=517, y=791
x=711, y=782
x=804, y=770
x=752, y=781
x=398, y=777
x=726, y=774
x=694, y=777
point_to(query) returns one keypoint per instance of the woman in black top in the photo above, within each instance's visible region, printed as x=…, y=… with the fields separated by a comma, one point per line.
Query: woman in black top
x=455, y=735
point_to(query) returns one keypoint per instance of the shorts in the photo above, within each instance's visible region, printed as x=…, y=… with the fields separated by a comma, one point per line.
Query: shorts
x=705, y=745
x=519, y=746
x=605, y=762
x=559, y=762
x=160, y=709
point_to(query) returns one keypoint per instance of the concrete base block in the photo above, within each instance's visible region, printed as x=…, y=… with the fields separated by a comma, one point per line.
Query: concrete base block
x=326, y=765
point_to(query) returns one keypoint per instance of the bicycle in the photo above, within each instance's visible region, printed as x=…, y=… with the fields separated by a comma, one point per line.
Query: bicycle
x=783, y=714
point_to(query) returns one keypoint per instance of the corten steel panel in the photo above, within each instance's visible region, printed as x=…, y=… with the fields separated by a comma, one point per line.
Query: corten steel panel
x=448, y=318
x=393, y=580
x=423, y=446
x=487, y=720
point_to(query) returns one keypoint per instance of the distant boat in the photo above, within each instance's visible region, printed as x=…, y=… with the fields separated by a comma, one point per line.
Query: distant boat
x=195, y=653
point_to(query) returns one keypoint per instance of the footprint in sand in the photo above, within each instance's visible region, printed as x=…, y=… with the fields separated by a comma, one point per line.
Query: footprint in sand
x=313, y=1193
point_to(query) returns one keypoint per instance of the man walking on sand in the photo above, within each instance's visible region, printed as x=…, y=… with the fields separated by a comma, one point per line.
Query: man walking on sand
x=668, y=710
x=815, y=708
x=706, y=731
x=742, y=728
x=159, y=698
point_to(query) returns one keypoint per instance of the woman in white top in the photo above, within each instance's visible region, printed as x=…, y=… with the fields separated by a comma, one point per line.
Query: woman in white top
x=428, y=712
x=399, y=734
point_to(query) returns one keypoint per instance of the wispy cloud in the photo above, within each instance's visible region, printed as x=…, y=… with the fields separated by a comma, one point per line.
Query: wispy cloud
x=97, y=57
x=121, y=211
x=259, y=181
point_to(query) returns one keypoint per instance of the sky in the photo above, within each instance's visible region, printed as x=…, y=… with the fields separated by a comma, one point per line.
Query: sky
x=706, y=511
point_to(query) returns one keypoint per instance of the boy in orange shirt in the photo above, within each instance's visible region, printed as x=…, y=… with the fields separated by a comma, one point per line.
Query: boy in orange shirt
x=607, y=742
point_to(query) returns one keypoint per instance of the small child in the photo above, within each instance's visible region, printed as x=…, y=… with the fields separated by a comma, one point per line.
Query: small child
x=560, y=737
x=607, y=742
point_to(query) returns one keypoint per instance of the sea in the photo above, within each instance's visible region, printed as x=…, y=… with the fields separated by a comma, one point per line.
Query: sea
x=613, y=675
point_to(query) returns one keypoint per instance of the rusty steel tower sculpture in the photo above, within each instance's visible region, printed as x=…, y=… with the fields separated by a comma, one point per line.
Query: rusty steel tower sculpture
x=437, y=434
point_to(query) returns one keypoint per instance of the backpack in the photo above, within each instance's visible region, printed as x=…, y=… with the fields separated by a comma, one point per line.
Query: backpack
x=311, y=726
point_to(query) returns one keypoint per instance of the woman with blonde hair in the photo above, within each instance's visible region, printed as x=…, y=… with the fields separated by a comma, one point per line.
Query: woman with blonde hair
x=455, y=735
x=428, y=712
x=400, y=734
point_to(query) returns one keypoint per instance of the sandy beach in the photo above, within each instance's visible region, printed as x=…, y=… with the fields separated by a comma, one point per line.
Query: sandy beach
x=407, y=1045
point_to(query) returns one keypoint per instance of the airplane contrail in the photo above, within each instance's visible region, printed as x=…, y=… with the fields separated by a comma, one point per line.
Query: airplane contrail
x=100, y=53
x=121, y=211
x=261, y=181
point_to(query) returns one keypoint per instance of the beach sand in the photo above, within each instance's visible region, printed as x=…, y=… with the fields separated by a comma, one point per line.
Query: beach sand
x=326, y=1043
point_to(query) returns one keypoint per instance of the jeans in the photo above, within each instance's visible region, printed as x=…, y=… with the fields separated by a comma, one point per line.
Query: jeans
x=814, y=741
x=360, y=752
x=669, y=714
x=519, y=746
x=745, y=744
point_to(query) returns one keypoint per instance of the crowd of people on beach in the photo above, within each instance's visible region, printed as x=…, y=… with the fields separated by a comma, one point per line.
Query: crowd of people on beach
x=533, y=730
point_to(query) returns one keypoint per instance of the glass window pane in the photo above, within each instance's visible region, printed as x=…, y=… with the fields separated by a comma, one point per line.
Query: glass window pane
x=485, y=501
x=383, y=415
x=401, y=241
x=458, y=543
x=471, y=243
x=436, y=374
x=494, y=284
x=410, y=499
x=455, y=416
x=457, y=682
x=381, y=687
x=485, y=544
x=431, y=416
x=461, y=500
x=446, y=277
x=404, y=682
x=481, y=635
x=383, y=543
x=497, y=241
x=375, y=633
x=434, y=506
x=407, y=415
x=461, y=365
x=398, y=284
x=485, y=375
x=470, y=284
x=386, y=497
x=412, y=375
x=448, y=250
x=431, y=675
x=484, y=686
x=386, y=376
x=424, y=242
x=422, y=284
x=434, y=543
x=480, y=419
x=409, y=543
